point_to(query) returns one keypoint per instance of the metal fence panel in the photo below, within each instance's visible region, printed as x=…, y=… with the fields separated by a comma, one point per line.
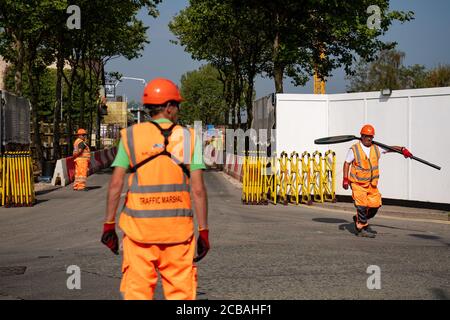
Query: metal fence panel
x=15, y=121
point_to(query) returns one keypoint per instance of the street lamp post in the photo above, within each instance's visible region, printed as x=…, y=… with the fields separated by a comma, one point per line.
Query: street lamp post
x=136, y=79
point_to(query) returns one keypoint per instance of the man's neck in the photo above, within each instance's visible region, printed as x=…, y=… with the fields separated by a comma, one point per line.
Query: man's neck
x=161, y=116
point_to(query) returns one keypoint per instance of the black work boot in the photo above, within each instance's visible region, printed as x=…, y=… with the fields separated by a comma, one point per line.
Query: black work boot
x=370, y=230
x=363, y=233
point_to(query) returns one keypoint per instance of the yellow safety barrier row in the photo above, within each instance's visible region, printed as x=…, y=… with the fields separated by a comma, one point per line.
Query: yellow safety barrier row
x=17, y=183
x=289, y=178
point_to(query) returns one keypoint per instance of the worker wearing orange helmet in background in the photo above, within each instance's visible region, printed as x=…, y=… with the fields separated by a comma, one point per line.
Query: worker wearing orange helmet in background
x=82, y=155
x=157, y=218
x=364, y=174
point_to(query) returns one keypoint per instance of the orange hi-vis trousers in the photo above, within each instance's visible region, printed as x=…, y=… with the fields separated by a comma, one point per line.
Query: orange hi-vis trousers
x=366, y=199
x=174, y=263
x=81, y=173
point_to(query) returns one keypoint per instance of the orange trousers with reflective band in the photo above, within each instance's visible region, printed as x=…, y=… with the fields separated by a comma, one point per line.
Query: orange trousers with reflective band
x=174, y=262
x=365, y=198
x=81, y=173
x=368, y=197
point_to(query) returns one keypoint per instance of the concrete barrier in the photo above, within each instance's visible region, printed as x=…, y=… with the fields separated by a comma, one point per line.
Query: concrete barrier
x=233, y=166
x=65, y=168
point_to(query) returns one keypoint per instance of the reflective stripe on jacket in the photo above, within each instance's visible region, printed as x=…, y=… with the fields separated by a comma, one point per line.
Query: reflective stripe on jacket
x=364, y=171
x=158, y=206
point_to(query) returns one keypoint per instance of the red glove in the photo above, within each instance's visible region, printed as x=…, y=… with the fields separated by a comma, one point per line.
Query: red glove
x=202, y=244
x=109, y=237
x=345, y=183
x=406, y=153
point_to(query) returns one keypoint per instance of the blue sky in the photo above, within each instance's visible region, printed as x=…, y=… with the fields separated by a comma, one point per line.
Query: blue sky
x=425, y=40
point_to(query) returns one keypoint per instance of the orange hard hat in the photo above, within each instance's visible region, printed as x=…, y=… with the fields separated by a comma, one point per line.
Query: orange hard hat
x=159, y=91
x=81, y=131
x=368, y=130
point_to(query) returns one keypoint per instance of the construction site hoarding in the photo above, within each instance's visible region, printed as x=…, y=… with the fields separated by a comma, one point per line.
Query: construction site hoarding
x=117, y=113
x=417, y=119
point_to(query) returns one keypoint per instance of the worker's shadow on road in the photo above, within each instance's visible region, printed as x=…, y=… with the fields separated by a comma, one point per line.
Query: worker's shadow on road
x=344, y=224
x=349, y=226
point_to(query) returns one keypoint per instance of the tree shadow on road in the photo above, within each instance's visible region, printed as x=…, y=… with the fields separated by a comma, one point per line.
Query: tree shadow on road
x=396, y=228
x=430, y=237
x=425, y=236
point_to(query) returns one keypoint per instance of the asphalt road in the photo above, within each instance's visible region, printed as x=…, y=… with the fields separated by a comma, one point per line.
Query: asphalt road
x=258, y=252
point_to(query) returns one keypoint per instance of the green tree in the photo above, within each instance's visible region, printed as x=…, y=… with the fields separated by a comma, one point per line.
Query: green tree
x=202, y=91
x=388, y=71
x=26, y=28
x=438, y=77
x=224, y=34
x=384, y=72
x=278, y=38
x=298, y=33
x=413, y=77
x=35, y=35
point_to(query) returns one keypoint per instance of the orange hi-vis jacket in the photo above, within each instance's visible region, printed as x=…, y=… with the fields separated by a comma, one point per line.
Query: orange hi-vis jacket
x=158, y=208
x=364, y=171
x=85, y=155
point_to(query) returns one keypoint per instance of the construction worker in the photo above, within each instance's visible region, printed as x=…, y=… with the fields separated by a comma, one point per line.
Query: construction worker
x=364, y=174
x=82, y=155
x=157, y=218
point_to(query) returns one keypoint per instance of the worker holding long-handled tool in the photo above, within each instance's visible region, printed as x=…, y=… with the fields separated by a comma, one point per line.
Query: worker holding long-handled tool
x=362, y=164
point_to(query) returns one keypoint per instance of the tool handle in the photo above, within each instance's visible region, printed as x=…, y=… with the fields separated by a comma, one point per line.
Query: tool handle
x=413, y=157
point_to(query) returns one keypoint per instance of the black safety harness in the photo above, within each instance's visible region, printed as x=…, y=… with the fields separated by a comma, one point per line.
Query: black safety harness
x=166, y=134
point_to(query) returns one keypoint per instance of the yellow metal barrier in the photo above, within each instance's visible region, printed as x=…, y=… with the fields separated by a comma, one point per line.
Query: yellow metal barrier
x=306, y=178
x=289, y=179
x=316, y=181
x=296, y=178
x=284, y=180
x=270, y=180
x=17, y=183
x=329, y=176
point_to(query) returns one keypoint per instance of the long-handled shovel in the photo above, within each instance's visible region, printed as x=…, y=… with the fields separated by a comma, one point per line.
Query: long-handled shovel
x=341, y=139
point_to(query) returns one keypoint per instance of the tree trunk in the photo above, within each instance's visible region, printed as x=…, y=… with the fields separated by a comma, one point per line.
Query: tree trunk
x=70, y=84
x=99, y=115
x=97, y=133
x=278, y=68
x=234, y=104
x=249, y=101
x=90, y=125
x=278, y=77
x=19, y=67
x=57, y=111
x=82, y=79
x=34, y=84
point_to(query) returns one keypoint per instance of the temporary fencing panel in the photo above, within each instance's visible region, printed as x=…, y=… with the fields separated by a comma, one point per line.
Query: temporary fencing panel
x=16, y=169
x=289, y=178
x=17, y=183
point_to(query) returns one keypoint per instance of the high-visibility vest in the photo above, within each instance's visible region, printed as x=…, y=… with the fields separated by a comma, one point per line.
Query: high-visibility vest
x=158, y=207
x=85, y=154
x=364, y=171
